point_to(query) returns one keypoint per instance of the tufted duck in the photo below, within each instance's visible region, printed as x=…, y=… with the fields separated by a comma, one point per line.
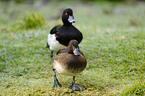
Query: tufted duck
x=61, y=35
x=69, y=61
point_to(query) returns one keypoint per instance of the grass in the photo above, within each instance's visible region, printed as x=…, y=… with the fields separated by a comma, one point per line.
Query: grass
x=31, y=20
x=113, y=44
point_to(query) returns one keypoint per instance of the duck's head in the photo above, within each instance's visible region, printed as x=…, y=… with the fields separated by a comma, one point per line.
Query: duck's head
x=73, y=47
x=67, y=17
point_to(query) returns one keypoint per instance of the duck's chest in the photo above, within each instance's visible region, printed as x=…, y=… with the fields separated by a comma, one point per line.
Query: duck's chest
x=69, y=66
x=66, y=34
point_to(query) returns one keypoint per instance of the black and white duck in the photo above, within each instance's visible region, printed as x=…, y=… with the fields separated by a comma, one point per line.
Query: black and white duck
x=61, y=35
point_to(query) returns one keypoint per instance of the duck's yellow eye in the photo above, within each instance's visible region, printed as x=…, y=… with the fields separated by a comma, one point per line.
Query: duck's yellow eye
x=65, y=13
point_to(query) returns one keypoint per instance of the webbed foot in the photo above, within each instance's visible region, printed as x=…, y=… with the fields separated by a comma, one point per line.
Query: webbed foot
x=75, y=87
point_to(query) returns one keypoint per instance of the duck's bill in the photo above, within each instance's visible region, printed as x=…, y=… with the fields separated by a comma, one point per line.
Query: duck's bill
x=76, y=52
x=71, y=19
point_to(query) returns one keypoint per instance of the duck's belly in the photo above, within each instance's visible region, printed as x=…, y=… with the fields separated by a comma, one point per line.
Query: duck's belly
x=61, y=68
x=53, y=43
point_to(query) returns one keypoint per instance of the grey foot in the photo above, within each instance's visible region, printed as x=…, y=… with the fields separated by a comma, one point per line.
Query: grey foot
x=75, y=87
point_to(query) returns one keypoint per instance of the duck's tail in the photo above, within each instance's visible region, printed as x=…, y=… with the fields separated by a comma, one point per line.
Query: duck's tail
x=47, y=46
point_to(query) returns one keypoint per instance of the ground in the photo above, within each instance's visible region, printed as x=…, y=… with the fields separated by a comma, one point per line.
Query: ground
x=113, y=43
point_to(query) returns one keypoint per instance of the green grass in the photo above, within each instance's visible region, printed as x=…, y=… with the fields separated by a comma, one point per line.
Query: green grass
x=31, y=20
x=114, y=45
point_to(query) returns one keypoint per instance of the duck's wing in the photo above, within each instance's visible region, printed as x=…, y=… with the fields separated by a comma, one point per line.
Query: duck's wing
x=55, y=29
x=64, y=50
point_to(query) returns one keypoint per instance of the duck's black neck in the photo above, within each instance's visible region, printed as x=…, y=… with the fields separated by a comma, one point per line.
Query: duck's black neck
x=67, y=24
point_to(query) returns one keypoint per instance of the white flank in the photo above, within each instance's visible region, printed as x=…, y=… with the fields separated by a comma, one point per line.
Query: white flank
x=62, y=69
x=53, y=43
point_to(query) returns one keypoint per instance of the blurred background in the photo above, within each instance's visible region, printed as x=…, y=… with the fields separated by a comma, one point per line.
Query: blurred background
x=14, y=10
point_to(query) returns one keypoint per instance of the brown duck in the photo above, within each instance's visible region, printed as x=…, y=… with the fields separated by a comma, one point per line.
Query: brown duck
x=69, y=61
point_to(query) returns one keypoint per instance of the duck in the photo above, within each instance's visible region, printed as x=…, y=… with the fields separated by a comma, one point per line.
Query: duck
x=69, y=61
x=60, y=35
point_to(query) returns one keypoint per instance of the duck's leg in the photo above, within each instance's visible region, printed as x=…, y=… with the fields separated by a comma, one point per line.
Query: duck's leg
x=51, y=52
x=74, y=87
x=55, y=82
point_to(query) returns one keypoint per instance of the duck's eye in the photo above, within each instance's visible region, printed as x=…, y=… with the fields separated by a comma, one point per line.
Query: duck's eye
x=65, y=13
